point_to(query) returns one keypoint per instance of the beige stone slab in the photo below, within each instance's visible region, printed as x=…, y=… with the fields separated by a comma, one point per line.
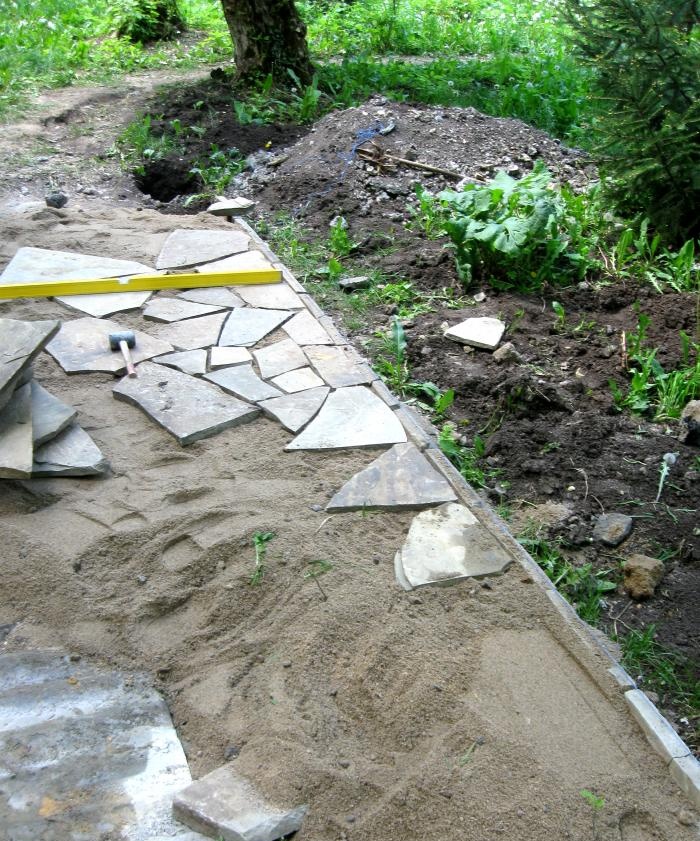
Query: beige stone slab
x=100, y=305
x=246, y=261
x=305, y=330
x=223, y=357
x=339, y=366
x=295, y=410
x=279, y=358
x=215, y=296
x=70, y=453
x=193, y=247
x=271, y=296
x=16, y=444
x=230, y=207
x=481, y=332
x=175, y=309
x=246, y=327
x=299, y=380
x=192, y=333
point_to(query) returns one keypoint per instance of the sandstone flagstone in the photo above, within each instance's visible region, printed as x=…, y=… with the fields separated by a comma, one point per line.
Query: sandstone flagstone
x=174, y=309
x=193, y=247
x=20, y=342
x=216, y=296
x=222, y=357
x=477, y=332
x=299, y=380
x=295, y=410
x=245, y=327
x=188, y=408
x=16, y=445
x=247, y=261
x=350, y=417
x=339, y=366
x=192, y=333
x=305, y=330
x=279, y=358
x=446, y=544
x=272, y=296
x=400, y=478
x=188, y=361
x=236, y=206
x=49, y=415
x=242, y=381
x=71, y=453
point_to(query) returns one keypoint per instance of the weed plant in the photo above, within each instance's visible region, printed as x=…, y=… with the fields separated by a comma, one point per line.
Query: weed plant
x=260, y=541
x=468, y=460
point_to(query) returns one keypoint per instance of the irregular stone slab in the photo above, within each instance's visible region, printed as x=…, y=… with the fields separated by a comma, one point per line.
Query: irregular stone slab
x=295, y=410
x=83, y=345
x=231, y=207
x=446, y=544
x=193, y=333
x=339, y=366
x=88, y=753
x=299, y=380
x=271, y=296
x=248, y=261
x=71, y=453
x=279, y=358
x=351, y=284
x=174, y=309
x=305, y=330
x=16, y=445
x=193, y=247
x=188, y=408
x=106, y=304
x=20, y=342
x=477, y=332
x=242, y=381
x=225, y=805
x=223, y=357
x=612, y=529
x=188, y=361
x=49, y=415
x=350, y=417
x=246, y=327
x=400, y=478
x=216, y=296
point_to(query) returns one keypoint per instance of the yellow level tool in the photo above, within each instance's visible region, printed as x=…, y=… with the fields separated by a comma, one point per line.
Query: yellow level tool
x=138, y=283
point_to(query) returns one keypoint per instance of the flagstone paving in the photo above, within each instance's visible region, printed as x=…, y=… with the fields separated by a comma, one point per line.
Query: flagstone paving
x=305, y=330
x=192, y=247
x=295, y=410
x=222, y=357
x=20, y=342
x=242, y=381
x=192, y=333
x=339, y=366
x=246, y=327
x=188, y=361
x=299, y=380
x=71, y=453
x=175, y=309
x=49, y=415
x=215, y=296
x=16, y=445
x=249, y=260
x=279, y=358
x=272, y=296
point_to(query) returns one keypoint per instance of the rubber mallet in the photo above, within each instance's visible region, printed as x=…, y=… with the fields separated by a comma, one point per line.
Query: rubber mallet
x=123, y=341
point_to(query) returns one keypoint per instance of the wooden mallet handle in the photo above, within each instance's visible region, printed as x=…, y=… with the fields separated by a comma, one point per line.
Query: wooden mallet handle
x=126, y=353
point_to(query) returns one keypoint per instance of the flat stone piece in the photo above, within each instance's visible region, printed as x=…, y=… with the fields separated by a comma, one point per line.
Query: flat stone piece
x=612, y=529
x=279, y=358
x=295, y=410
x=188, y=408
x=299, y=380
x=230, y=207
x=188, y=361
x=193, y=247
x=482, y=332
x=16, y=446
x=71, y=453
x=686, y=773
x=350, y=417
x=20, y=342
x=216, y=296
x=242, y=381
x=222, y=357
x=83, y=345
x=350, y=284
x=106, y=304
x=339, y=366
x=193, y=333
x=400, y=478
x=246, y=327
x=305, y=330
x=657, y=729
x=225, y=805
x=49, y=415
x=174, y=309
x=105, y=760
x=446, y=544
x=247, y=261
x=271, y=296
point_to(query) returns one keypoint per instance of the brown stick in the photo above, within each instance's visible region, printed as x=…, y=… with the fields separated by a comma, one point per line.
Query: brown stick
x=392, y=159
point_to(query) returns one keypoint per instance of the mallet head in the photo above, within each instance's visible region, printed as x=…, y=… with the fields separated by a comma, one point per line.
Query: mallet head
x=127, y=336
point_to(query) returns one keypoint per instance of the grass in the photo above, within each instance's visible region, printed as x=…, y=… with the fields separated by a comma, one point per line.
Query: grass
x=260, y=541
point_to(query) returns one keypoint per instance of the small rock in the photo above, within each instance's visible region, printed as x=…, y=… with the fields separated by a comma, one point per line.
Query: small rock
x=316, y=507
x=612, y=529
x=479, y=297
x=231, y=752
x=350, y=284
x=641, y=576
x=344, y=763
x=690, y=421
x=477, y=332
x=686, y=817
x=507, y=353
x=350, y=819
x=287, y=664
x=56, y=199
x=141, y=579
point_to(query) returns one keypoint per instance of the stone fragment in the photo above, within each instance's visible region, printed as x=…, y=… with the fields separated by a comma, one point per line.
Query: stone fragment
x=447, y=544
x=56, y=199
x=295, y=410
x=49, y=415
x=690, y=423
x=194, y=247
x=16, y=445
x=400, y=478
x=641, y=576
x=242, y=381
x=657, y=729
x=188, y=361
x=612, y=529
x=247, y=261
x=481, y=332
x=236, y=206
x=299, y=380
x=71, y=453
x=507, y=353
x=193, y=333
x=222, y=357
x=188, y=408
x=350, y=284
x=305, y=330
x=107, y=304
x=339, y=366
x=215, y=296
x=350, y=417
x=247, y=326
x=271, y=296
x=225, y=805
x=83, y=345
x=20, y=342
x=175, y=309
x=279, y=358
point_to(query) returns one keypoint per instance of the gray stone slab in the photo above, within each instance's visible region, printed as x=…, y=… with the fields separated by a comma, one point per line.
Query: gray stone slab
x=107, y=304
x=612, y=529
x=305, y=330
x=83, y=345
x=247, y=261
x=230, y=207
x=242, y=381
x=447, y=544
x=193, y=333
x=20, y=342
x=225, y=805
x=482, y=332
x=16, y=445
x=188, y=361
x=295, y=410
x=193, y=247
x=216, y=296
x=299, y=380
x=175, y=309
x=223, y=357
x=188, y=408
x=271, y=296
x=350, y=417
x=339, y=366
x=400, y=478
x=49, y=415
x=71, y=453
x=87, y=753
x=246, y=327
x=279, y=358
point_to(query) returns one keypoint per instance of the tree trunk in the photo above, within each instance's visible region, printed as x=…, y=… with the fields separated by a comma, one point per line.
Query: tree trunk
x=268, y=37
